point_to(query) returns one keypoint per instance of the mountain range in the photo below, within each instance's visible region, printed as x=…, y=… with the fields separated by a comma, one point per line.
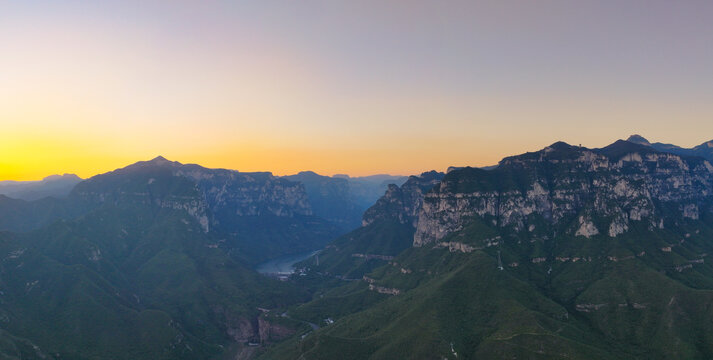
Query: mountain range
x=566, y=252
x=155, y=260
x=57, y=186
x=704, y=150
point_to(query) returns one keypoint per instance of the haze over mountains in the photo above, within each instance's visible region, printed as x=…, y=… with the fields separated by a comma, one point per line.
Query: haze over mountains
x=342, y=199
x=565, y=252
x=57, y=186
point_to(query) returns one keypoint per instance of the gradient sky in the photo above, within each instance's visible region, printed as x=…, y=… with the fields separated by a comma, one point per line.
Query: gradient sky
x=356, y=87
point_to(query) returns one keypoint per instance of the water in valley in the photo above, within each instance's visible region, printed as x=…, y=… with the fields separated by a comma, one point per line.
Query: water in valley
x=283, y=265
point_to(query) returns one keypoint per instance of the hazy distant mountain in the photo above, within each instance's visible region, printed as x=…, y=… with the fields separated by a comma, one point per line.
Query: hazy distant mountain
x=343, y=199
x=330, y=198
x=365, y=190
x=55, y=186
x=704, y=150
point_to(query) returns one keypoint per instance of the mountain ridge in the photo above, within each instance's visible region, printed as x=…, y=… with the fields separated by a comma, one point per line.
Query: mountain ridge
x=565, y=252
x=704, y=150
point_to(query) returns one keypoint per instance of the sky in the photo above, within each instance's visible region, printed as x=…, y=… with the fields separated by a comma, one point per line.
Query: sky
x=356, y=87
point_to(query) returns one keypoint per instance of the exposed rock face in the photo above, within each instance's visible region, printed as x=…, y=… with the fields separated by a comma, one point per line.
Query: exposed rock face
x=270, y=332
x=248, y=194
x=454, y=246
x=194, y=206
x=384, y=290
x=586, y=228
x=373, y=256
x=210, y=196
x=593, y=189
x=403, y=203
x=244, y=330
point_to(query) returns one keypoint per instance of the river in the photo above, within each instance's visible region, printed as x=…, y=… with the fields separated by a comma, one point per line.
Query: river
x=283, y=265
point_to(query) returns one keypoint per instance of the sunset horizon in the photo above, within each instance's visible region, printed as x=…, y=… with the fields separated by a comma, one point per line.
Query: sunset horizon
x=342, y=87
x=356, y=179
x=259, y=164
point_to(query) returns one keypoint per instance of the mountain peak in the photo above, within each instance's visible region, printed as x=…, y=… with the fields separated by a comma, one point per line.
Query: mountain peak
x=638, y=139
x=157, y=162
x=159, y=159
x=624, y=147
x=560, y=145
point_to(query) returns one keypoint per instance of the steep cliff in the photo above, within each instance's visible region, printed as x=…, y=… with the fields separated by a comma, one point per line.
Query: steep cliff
x=213, y=196
x=567, y=188
x=402, y=203
x=253, y=216
x=387, y=230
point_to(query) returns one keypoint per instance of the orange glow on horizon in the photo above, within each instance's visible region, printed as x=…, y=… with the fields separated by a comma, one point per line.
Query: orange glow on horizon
x=340, y=87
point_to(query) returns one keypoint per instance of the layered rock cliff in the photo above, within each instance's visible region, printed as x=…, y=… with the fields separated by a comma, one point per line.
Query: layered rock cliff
x=586, y=192
x=402, y=203
x=211, y=196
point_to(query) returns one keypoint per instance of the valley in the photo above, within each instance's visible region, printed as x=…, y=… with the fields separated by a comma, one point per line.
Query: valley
x=283, y=265
x=356, y=180
x=566, y=252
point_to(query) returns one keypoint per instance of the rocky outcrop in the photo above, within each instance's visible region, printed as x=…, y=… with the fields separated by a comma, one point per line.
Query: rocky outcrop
x=196, y=207
x=384, y=290
x=402, y=203
x=247, y=194
x=373, y=256
x=589, y=307
x=601, y=191
x=270, y=332
x=454, y=246
x=245, y=330
x=586, y=228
